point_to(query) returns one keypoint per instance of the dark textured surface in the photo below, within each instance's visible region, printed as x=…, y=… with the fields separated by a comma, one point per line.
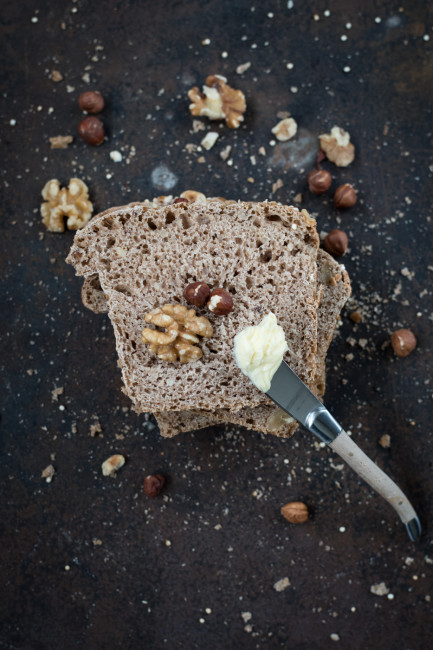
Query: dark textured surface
x=85, y=563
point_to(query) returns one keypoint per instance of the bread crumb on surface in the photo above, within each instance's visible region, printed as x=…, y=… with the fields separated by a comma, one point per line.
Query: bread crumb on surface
x=282, y=584
x=48, y=473
x=379, y=589
x=111, y=465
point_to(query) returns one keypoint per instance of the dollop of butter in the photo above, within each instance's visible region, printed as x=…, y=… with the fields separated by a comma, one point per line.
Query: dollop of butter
x=259, y=350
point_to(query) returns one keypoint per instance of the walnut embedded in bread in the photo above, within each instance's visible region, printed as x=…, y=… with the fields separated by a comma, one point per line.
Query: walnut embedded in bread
x=337, y=147
x=69, y=204
x=182, y=327
x=218, y=101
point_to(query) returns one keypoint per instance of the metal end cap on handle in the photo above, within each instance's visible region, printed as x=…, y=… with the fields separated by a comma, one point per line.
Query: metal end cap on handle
x=414, y=529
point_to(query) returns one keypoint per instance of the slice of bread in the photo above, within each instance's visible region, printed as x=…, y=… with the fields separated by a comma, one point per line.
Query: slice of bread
x=264, y=254
x=335, y=290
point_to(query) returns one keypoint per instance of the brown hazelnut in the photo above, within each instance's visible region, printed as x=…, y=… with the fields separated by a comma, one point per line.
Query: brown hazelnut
x=319, y=180
x=345, y=196
x=196, y=293
x=91, y=101
x=220, y=302
x=296, y=512
x=153, y=485
x=336, y=242
x=91, y=130
x=403, y=342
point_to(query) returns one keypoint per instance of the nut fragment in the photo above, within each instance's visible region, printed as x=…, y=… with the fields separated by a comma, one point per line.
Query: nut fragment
x=91, y=101
x=209, y=140
x=196, y=293
x=337, y=147
x=56, y=76
x=60, y=141
x=193, y=196
x=220, y=302
x=112, y=464
x=72, y=203
x=403, y=342
x=285, y=130
x=296, y=512
x=182, y=328
x=153, y=485
x=319, y=180
x=336, y=242
x=48, y=473
x=91, y=130
x=356, y=316
x=218, y=101
x=345, y=196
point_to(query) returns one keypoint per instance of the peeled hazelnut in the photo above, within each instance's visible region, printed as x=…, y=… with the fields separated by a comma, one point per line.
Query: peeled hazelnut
x=91, y=130
x=345, y=196
x=403, y=342
x=296, y=512
x=336, y=242
x=196, y=293
x=91, y=101
x=220, y=302
x=153, y=485
x=319, y=180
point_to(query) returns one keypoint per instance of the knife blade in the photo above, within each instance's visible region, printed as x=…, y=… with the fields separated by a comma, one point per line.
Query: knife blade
x=295, y=398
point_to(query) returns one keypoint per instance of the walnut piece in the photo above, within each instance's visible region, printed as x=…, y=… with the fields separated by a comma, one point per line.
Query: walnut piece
x=337, y=147
x=182, y=327
x=72, y=203
x=193, y=196
x=218, y=101
x=285, y=130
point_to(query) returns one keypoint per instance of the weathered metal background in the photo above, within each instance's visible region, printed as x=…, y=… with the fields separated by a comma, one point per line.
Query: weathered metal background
x=90, y=562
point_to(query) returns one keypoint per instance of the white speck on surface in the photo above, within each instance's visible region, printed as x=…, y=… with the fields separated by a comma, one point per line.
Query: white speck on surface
x=243, y=67
x=343, y=37
x=282, y=584
x=247, y=616
x=426, y=37
x=290, y=4
x=390, y=596
x=348, y=25
x=334, y=636
x=342, y=529
x=290, y=66
x=116, y=156
x=162, y=178
x=208, y=610
x=378, y=20
x=35, y=19
x=206, y=41
x=294, y=89
x=12, y=122
x=224, y=55
x=326, y=13
x=346, y=68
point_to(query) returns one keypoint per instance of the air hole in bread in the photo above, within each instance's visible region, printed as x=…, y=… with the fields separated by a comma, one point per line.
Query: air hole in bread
x=249, y=283
x=169, y=218
x=266, y=257
x=257, y=223
x=110, y=242
x=121, y=288
x=186, y=223
x=259, y=243
x=273, y=217
x=151, y=225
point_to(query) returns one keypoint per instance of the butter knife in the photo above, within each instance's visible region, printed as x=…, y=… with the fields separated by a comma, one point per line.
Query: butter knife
x=293, y=396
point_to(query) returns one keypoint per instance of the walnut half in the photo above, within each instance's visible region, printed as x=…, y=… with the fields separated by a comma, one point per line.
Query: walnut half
x=218, y=101
x=182, y=327
x=71, y=203
x=337, y=147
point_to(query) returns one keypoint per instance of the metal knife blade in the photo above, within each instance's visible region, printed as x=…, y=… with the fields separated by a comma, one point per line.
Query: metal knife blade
x=294, y=397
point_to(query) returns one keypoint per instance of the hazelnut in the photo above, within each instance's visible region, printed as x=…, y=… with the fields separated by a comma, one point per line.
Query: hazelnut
x=91, y=101
x=91, y=130
x=403, y=342
x=319, y=180
x=345, y=196
x=220, y=302
x=153, y=485
x=196, y=293
x=336, y=242
x=296, y=512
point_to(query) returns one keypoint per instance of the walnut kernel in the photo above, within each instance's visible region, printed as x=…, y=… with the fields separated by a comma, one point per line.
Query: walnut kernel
x=337, y=147
x=285, y=130
x=296, y=512
x=218, y=101
x=60, y=141
x=182, y=328
x=71, y=203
